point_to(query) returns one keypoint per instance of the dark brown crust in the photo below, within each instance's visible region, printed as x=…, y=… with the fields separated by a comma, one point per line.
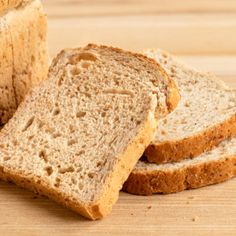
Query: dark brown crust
x=175, y=151
x=177, y=180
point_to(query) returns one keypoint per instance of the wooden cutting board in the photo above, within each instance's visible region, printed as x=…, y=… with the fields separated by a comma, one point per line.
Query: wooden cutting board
x=203, y=34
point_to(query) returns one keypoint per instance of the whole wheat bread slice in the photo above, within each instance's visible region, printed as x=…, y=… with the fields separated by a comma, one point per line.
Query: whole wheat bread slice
x=81, y=132
x=23, y=52
x=205, y=116
x=209, y=168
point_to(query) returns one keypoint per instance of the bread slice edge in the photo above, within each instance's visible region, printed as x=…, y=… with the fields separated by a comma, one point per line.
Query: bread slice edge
x=178, y=150
x=177, y=180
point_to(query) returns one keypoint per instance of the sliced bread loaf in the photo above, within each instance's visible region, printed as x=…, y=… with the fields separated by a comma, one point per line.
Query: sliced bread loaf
x=81, y=132
x=23, y=53
x=205, y=116
x=212, y=167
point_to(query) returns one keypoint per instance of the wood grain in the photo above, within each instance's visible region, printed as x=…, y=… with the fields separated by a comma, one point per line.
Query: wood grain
x=184, y=27
x=183, y=34
x=203, y=34
x=68, y=8
x=207, y=211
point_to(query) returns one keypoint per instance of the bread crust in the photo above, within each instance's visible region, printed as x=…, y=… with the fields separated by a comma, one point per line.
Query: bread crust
x=177, y=180
x=175, y=151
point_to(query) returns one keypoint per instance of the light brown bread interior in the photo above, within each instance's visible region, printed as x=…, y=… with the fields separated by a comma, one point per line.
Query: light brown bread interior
x=204, y=117
x=79, y=134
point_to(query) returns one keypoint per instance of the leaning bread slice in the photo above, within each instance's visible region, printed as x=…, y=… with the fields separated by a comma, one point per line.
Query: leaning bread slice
x=205, y=116
x=79, y=135
x=212, y=167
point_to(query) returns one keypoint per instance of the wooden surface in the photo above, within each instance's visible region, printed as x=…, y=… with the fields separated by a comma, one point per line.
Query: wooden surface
x=203, y=34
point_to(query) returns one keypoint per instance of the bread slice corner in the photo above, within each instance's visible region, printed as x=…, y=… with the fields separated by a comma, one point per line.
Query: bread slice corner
x=204, y=117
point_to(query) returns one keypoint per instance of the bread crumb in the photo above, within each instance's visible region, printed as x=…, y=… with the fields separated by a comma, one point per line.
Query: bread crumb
x=195, y=218
x=191, y=197
x=149, y=207
x=188, y=202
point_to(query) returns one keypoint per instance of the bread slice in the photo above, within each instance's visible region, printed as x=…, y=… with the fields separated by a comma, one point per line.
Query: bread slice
x=205, y=116
x=23, y=53
x=212, y=167
x=81, y=132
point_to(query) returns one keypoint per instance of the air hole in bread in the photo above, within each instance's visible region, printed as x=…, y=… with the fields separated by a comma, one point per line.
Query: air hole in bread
x=49, y=170
x=56, y=135
x=42, y=155
x=81, y=186
x=163, y=132
x=30, y=137
x=57, y=182
x=119, y=92
x=40, y=124
x=32, y=58
x=80, y=153
x=99, y=164
x=15, y=142
x=103, y=114
x=186, y=104
x=85, y=64
x=80, y=114
x=6, y=158
x=56, y=112
x=73, y=180
x=28, y=124
x=66, y=169
x=91, y=175
x=117, y=118
x=86, y=56
x=76, y=70
x=60, y=81
x=71, y=142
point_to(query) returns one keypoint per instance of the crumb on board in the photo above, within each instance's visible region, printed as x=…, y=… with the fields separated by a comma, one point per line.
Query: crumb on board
x=149, y=207
x=195, y=218
x=190, y=197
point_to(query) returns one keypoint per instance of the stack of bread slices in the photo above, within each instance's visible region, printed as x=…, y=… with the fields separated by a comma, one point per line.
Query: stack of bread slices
x=106, y=118
x=194, y=146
